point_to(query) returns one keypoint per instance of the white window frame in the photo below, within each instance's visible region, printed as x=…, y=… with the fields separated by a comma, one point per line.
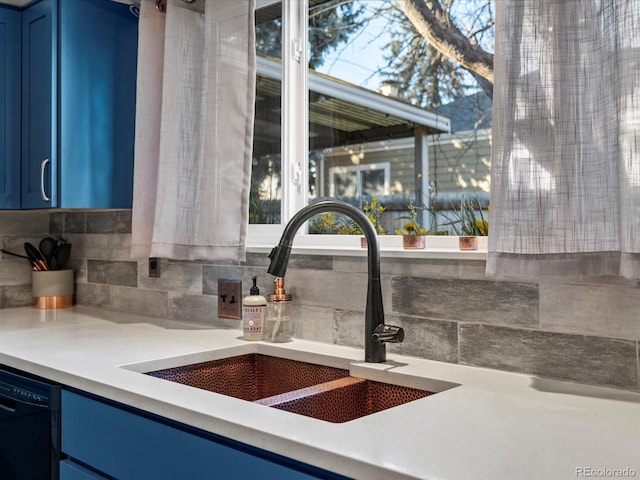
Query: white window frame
x=295, y=158
x=295, y=121
x=359, y=169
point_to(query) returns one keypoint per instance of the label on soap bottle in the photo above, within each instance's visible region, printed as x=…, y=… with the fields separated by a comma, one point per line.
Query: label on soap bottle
x=253, y=317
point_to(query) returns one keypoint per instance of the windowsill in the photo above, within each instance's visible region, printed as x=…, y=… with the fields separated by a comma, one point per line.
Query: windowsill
x=438, y=247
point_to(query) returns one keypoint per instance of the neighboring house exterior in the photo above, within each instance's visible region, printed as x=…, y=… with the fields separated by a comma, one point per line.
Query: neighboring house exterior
x=457, y=161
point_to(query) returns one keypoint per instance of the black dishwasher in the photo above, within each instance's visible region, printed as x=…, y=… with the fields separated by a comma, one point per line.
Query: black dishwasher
x=29, y=427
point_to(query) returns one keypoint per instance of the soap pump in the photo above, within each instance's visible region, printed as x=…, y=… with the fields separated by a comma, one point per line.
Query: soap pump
x=279, y=324
x=254, y=310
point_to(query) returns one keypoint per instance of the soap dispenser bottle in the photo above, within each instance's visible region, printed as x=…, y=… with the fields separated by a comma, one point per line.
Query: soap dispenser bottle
x=279, y=325
x=254, y=311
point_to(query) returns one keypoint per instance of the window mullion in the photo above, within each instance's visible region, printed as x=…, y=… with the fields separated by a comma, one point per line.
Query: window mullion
x=295, y=102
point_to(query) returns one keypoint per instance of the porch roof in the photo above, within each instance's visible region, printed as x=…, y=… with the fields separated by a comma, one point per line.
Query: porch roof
x=340, y=113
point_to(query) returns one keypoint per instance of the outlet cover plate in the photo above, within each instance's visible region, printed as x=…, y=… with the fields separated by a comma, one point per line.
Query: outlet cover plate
x=230, y=298
x=154, y=267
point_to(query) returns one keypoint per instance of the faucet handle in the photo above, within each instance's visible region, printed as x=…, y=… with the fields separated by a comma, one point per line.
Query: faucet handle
x=388, y=334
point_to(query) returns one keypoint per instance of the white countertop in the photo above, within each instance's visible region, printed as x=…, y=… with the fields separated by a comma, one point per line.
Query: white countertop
x=493, y=425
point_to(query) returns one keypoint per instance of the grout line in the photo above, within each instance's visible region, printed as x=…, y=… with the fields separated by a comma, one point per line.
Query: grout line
x=638, y=363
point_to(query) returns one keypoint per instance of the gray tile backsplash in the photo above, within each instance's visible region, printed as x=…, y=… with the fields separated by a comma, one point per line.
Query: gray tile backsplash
x=485, y=301
x=579, y=330
x=604, y=310
x=112, y=272
x=23, y=223
x=110, y=221
x=582, y=358
x=15, y=296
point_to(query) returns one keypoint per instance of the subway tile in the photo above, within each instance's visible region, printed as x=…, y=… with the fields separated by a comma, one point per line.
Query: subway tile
x=95, y=246
x=256, y=260
x=357, y=264
x=56, y=223
x=320, y=288
x=141, y=302
x=349, y=327
x=416, y=267
x=15, y=271
x=112, y=273
x=174, y=276
x=432, y=339
x=74, y=222
x=93, y=295
x=312, y=323
x=211, y=274
x=100, y=246
x=109, y=221
x=604, y=310
x=315, y=262
x=120, y=247
x=15, y=296
x=202, y=309
x=448, y=269
x=310, y=262
x=579, y=358
x=498, y=303
x=16, y=243
x=472, y=269
x=79, y=266
x=24, y=223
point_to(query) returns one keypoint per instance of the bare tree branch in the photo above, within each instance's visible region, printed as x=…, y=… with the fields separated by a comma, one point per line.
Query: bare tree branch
x=435, y=24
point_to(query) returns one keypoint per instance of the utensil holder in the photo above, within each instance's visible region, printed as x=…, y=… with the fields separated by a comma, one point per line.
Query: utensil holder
x=52, y=289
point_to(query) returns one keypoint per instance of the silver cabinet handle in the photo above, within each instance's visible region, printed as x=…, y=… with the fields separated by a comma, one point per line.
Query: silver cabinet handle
x=43, y=165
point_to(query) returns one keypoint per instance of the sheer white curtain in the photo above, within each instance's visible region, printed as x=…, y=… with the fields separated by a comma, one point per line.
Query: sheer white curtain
x=565, y=191
x=194, y=129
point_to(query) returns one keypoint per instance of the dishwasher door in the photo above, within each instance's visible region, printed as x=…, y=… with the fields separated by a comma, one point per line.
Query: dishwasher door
x=29, y=428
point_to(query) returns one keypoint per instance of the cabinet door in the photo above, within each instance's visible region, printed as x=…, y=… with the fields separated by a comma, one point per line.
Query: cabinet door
x=98, y=58
x=9, y=108
x=69, y=470
x=124, y=445
x=39, y=113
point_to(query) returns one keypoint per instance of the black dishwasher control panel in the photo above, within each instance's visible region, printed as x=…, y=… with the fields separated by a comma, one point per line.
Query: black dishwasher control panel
x=25, y=390
x=22, y=395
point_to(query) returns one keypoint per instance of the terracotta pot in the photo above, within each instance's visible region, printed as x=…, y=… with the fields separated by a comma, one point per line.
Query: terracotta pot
x=413, y=242
x=468, y=243
x=363, y=242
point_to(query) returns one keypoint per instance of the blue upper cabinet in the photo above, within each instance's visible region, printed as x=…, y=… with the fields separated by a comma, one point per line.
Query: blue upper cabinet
x=98, y=59
x=10, y=107
x=39, y=111
x=78, y=104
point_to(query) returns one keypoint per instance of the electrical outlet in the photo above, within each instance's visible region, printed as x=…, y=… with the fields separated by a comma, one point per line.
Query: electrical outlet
x=230, y=298
x=154, y=267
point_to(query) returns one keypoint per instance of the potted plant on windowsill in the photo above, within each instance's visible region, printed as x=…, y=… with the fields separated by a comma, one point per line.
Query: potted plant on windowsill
x=470, y=223
x=413, y=235
x=373, y=211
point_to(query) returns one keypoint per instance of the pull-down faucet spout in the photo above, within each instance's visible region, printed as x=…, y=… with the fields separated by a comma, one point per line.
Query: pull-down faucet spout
x=376, y=333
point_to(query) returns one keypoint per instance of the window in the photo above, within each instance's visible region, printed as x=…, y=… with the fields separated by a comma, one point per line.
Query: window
x=351, y=131
x=371, y=180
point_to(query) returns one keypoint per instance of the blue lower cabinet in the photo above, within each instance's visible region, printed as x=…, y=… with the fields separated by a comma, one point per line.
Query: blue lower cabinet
x=69, y=470
x=122, y=443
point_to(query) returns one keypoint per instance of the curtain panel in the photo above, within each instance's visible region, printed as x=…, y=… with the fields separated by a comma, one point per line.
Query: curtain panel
x=194, y=129
x=565, y=184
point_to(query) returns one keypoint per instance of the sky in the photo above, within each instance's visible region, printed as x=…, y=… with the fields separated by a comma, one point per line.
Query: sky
x=358, y=61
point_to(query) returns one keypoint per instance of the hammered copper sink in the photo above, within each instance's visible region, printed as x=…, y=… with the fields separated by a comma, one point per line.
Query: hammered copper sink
x=317, y=391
